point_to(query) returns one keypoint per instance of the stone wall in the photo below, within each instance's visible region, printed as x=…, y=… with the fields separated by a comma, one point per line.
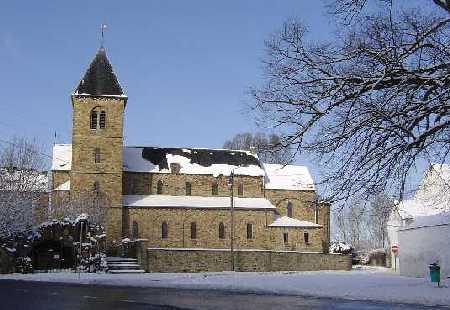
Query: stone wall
x=201, y=185
x=215, y=260
x=207, y=221
x=149, y=222
x=305, y=208
x=109, y=140
x=296, y=239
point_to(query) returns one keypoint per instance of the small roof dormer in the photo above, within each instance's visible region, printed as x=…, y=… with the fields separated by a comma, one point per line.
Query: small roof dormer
x=99, y=79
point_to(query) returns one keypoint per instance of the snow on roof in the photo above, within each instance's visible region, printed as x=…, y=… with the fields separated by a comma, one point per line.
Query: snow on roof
x=134, y=162
x=431, y=204
x=191, y=161
x=64, y=186
x=201, y=161
x=194, y=202
x=442, y=218
x=62, y=157
x=288, y=177
x=434, y=189
x=410, y=209
x=286, y=221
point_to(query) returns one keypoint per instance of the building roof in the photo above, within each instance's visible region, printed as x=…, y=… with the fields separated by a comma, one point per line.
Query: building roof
x=191, y=161
x=285, y=221
x=200, y=161
x=431, y=204
x=438, y=219
x=194, y=202
x=288, y=177
x=99, y=79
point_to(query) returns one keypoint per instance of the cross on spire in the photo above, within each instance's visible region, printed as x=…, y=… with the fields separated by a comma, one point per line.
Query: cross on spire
x=103, y=27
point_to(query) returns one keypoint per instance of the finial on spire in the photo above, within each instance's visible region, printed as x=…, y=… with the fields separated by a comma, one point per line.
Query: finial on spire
x=103, y=27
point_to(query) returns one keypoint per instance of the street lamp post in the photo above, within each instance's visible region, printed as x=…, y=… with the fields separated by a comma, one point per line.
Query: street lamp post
x=82, y=221
x=231, y=187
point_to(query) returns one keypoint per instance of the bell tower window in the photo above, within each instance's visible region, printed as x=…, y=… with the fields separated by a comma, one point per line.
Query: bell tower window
x=102, y=121
x=98, y=119
x=94, y=119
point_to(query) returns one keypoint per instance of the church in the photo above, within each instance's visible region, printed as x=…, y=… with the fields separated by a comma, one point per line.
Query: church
x=182, y=198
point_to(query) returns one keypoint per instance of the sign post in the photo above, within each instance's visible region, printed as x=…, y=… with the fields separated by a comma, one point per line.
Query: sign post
x=395, y=248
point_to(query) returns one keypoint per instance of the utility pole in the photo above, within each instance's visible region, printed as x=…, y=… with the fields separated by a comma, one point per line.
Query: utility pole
x=231, y=187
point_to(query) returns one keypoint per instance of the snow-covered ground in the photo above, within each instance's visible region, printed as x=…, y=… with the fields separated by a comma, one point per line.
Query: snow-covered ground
x=363, y=283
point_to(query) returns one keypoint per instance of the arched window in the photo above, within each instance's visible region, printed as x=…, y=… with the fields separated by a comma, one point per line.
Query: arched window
x=102, y=122
x=98, y=119
x=159, y=187
x=215, y=188
x=289, y=209
x=286, y=237
x=188, y=189
x=306, y=237
x=221, y=231
x=240, y=189
x=94, y=119
x=164, y=230
x=97, y=157
x=250, y=231
x=135, y=230
x=193, y=230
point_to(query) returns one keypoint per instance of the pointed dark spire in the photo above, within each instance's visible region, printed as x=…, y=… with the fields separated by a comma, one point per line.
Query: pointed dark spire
x=99, y=79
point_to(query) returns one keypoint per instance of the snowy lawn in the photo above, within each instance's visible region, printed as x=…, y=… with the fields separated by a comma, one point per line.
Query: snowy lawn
x=361, y=283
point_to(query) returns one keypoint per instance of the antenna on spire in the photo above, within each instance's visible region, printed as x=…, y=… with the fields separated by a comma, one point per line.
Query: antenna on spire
x=103, y=27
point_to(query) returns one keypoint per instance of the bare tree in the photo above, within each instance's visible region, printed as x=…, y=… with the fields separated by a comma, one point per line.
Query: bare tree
x=367, y=105
x=362, y=223
x=94, y=204
x=269, y=148
x=381, y=208
x=22, y=181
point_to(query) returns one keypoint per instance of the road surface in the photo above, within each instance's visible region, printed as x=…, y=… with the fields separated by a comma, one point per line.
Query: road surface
x=39, y=295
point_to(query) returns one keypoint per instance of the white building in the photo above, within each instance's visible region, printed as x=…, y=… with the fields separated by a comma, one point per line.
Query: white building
x=421, y=226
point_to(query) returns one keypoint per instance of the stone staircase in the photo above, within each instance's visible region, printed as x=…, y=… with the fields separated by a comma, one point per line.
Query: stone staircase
x=123, y=265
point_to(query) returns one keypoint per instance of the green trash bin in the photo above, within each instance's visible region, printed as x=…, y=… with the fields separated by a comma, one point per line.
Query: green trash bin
x=435, y=273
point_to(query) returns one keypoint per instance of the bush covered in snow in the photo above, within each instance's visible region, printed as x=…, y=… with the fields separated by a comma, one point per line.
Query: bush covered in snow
x=337, y=247
x=56, y=244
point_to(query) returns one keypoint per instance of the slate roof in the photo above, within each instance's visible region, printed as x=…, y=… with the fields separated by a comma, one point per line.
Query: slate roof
x=99, y=79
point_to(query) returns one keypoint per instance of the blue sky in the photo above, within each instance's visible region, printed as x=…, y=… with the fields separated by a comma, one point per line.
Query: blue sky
x=185, y=65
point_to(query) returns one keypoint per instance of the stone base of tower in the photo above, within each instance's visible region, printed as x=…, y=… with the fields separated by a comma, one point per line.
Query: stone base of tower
x=114, y=227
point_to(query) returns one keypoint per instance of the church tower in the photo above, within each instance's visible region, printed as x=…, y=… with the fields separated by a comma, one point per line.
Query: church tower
x=97, y=139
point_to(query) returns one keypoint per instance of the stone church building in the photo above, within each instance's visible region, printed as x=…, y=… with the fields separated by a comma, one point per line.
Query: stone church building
x=180, y=198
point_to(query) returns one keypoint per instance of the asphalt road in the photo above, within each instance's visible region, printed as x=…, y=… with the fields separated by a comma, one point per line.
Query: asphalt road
x=37, y=295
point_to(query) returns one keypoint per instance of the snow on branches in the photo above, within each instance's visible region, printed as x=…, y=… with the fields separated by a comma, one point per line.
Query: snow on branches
x=22, y=183
x=368, y=104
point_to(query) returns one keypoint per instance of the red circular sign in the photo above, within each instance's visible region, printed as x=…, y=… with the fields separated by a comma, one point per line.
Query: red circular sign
x=395, y=248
